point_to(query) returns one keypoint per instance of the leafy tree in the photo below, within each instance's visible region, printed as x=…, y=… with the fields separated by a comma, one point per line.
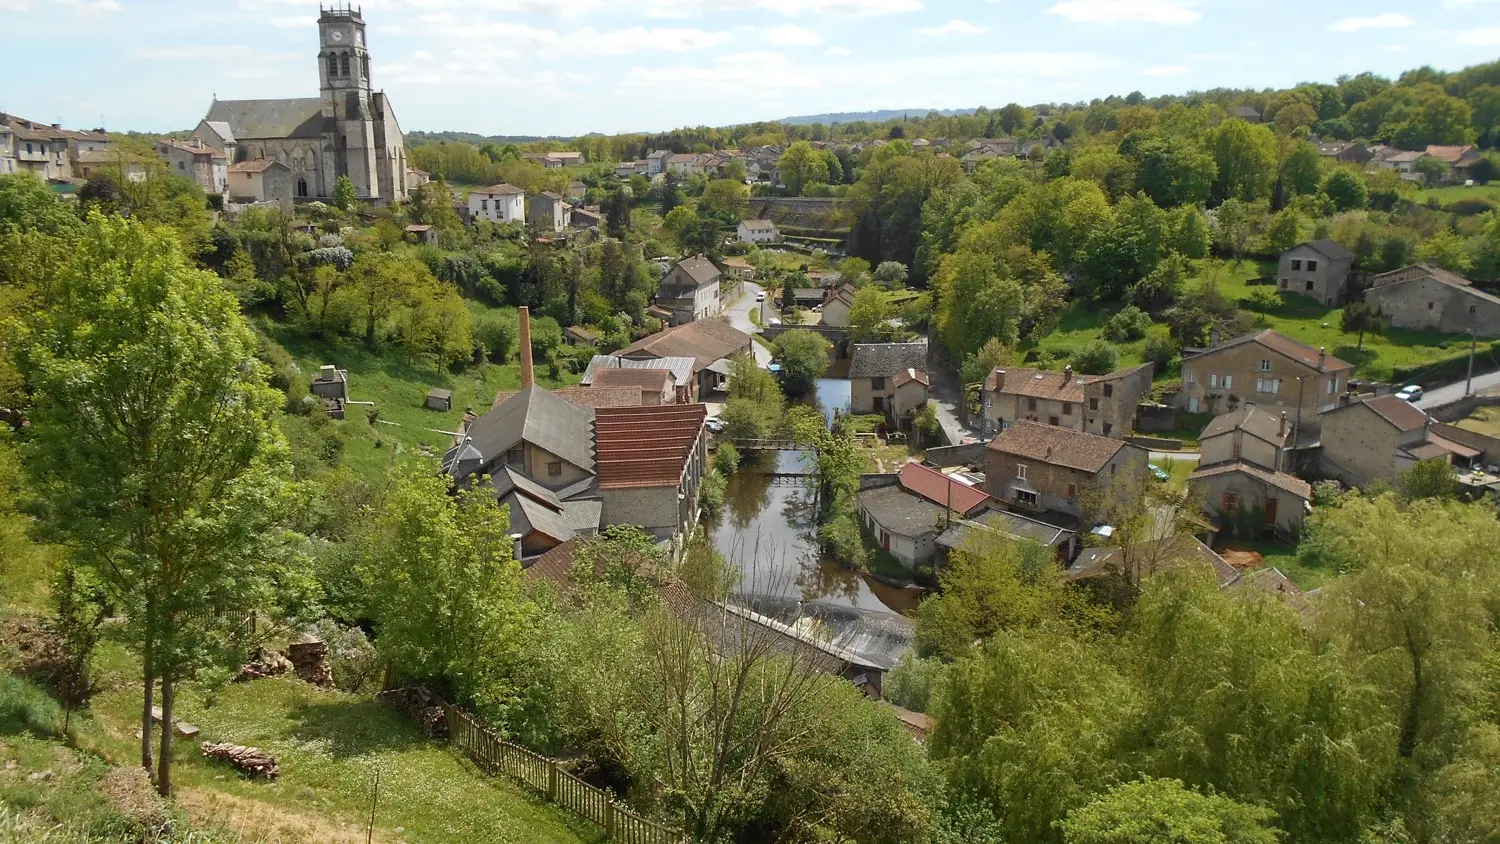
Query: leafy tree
x=870, y=316
x=725, y=198
x=1117, y=255
x=1235, y=224
x=1346, y=190
x=1191, y=236
x=726, y=459
x=1359, y=317
x=344, y=197
x=978, y=365
x=800, y=166
x=1301, y=169
x=1158, y=291
x=1165, y=811
x=1427, y=479
x=1446, y=249
x=1127, y=325
x=1175, y=171
x=891, y=273
x=1286, y=229
x=805, y=357
x=167, y=496
x=1245, y=156
x=1161, y=350
x=1096, y=357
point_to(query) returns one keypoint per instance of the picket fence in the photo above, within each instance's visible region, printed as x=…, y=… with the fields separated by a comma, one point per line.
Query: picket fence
x=497, y=756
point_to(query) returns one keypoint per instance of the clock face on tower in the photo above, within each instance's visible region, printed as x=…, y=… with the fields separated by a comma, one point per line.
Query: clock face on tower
x=337, y=36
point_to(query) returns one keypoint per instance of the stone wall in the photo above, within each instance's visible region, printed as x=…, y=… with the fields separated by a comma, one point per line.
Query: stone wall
x=943, y=457
x=1155, y=418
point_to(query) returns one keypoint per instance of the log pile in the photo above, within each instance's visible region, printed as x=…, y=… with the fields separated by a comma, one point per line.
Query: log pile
x=247, y=760
x=265, y=664
x=310, y=661
x=422, y=706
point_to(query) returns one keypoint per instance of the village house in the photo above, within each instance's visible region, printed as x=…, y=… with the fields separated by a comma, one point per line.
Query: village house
x=685, y=164
x=1267, y=368
x=681, y=375
x=259, y=180
x=888, y=378
x=650, y=463
x=553, y=160
x=904, y=512
x=836, y=308
x=547, y=212
x=626, y=169
x=1317, y=269
x=91, y=162
x=656, y=161
x=1098, y=404
x=421, y=233
x=1245, y=113
x=1345, y=151
x=974, y=533
x=583, y=218
x=657, y=386
x=48, y=150
x=758, y=231
x=1377, y=438
x=690, y=290
x=1404, y=162
x=1143, y=560
x=1426, y=297
x=708, y=342
x=1241, y=476
x=1043, y=468
x=198, y=161
x=500, y=203
x=1459, y=159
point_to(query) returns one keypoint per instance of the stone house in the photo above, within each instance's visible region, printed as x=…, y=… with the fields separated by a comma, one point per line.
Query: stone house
x=656, y=161
x=547, y=212
x=690, y=290
x=1318, y=269
x=1097, y=404
x=421, y=233
x=206, y=166
x=1458, y=158
x=1044, y=468
x=37, y=148
x=1264, y=369
x=836, y=309
x=1378, y=438
x=259, y=180
x=1404, y=162
x=758, y=231
x=1240, y=475
x=906, y=511
x=681, y=372
x=498, y=203
x=656, y=385
x=888, y=378
x=1345, y=151
x=1425, y=297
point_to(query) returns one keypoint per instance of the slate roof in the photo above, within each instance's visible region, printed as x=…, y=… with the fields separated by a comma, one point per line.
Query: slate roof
x=1284, y=345
x=885, y=360
x=1255, y=421
x=502, y=190
x=698, y=268
x=646, y=446
x=755, y=224
x=1281, y=480
x=940, y=489
x=221, y=128
x=538, y=417
x=587, y=397
x=900, y=512
x=703, y=340
x=1057, y=446
x=564, y=522
x=680, y=367
x=1330, y=249
x=1006, y=524
x=647, y=380
x=292, y=118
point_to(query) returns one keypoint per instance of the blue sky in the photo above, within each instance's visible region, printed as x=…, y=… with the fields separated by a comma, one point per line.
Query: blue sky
x=574, y=66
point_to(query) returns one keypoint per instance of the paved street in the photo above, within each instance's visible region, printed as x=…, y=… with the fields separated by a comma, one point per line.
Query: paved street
x=1453, y=392
x=945, y=394
x=739, y=317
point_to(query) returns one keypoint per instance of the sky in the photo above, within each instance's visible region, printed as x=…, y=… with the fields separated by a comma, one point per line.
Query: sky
x=567, y=67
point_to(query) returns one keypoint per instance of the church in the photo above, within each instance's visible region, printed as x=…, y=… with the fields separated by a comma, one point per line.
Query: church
x=348, y=131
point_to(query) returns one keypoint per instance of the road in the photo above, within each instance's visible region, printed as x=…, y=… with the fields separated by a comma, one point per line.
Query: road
x=739, y=317
x=1440, y=396
x=944, y=394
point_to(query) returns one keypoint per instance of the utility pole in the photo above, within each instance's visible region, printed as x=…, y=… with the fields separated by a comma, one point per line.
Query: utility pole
x=1469, y=381
x=1297, y=432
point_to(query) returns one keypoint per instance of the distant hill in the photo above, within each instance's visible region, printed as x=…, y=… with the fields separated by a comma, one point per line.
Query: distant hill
x=872, y=116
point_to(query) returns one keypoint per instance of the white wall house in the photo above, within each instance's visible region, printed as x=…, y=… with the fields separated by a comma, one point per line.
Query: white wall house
x=758, y=231
x=498, y=203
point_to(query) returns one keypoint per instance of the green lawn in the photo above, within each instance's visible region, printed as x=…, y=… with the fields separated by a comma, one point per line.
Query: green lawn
x=1484, y=420
x=1453, y=193
x=1284, y=557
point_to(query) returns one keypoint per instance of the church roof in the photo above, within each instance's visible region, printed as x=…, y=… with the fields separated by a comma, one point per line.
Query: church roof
x=266, y=119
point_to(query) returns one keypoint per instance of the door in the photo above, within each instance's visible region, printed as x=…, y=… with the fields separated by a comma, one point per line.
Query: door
x=880, y=404
x=1270, y=511
x=1193, y=405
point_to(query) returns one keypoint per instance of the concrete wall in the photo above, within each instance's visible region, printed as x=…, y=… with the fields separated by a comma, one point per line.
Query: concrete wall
x=1454, y=411
x=1425, y=304
x=1487, y=445
x=973, y=454
x=909, y=397
x=1237, y=445
x=1326, y=283
x=1001, y=410
x=836, y=314
x=909, y=550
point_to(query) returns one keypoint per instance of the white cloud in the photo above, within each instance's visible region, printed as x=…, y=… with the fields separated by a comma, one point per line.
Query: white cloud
x=209, y=52
x=512, y=40
x=1108, y=12
x=791, y=35
x=1167, y=70
x=839, y=51
x=954, y=27
x=1483, y=36
x=790, y=8
x=15, y=5
x=1389, y=20
x=90, y=7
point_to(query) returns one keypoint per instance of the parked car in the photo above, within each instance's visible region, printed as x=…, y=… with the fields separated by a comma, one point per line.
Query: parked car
x=760, y=297
x=714, y=424
x=1159, y=473
x=1410, y=392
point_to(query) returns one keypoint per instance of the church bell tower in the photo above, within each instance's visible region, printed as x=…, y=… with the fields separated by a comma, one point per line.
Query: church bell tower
x=344, y=69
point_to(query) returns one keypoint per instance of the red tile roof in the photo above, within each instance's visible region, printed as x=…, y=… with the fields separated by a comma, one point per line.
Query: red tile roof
x=908, y=375
x=1037, y=384
x=645, y=446
x=940, y=489
x=1294, y=349
x=1059, y=446
x=254, y=165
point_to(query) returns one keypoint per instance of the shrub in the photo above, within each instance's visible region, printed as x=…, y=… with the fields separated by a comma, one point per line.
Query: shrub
x=1161, y=350
x=1263, y=299
x=1096, y=358
x=726, y=459
x=1131, y=323
x=711, y=493
x=1470, y=206
x=841, y=538
x=496, y=334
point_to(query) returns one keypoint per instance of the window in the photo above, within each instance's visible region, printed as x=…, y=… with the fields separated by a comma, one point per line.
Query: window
x=1021, y=471
x=1312, y=265
x=1333, y=385
x=1031, y=404
x=484, y=205
x=1109, y=390
x=1283, y=284
x=1473, y=309
x=1108, y=428
x=554, y=468
x=877, y=383
x=516, y=456
x=1067, y=408
x=1271, y=386
x=343, y=64
x=333, y=65
x=1072, y=490
x=1265, y=366
x=1190, y=377
x=183, y=166
x=1429, y=306
x=1052, y=420
x=1093, y=404
x=1228, y=382
x=1027, y=498
x=1231, y=503
x=302, y=187
x=1296, y=263
x=1309, y=285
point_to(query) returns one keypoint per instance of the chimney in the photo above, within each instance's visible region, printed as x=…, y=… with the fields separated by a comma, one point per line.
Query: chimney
x=527, y=376
x=1322, y=356
x=57, y=126
x=1067, y=373
x=1281, y=431
x=515, y=544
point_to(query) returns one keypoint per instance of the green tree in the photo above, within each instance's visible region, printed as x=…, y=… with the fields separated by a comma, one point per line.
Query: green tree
x=800, y=166
x=1359, y=317
x=870, y=315
x=978, y=365
x=891, y=273
x=1448, y=250
x=1119, y=254
x=1245, y=156
x=1286, y=229
x=167, y=497
x=1427, y=479
x=1191, y=236
x=1301, y=169
x=1165, y=811
x=805, y=357
x=344, y=196
x=1346, y=190
x=1175, y=171
x=726, y=198
x=1096, y=357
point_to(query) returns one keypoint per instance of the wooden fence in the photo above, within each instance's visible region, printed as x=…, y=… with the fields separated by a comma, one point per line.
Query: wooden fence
x=496, y=756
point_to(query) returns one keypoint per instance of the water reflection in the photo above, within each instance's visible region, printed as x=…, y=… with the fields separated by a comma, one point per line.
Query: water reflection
x=768, y=530
x=833, y=394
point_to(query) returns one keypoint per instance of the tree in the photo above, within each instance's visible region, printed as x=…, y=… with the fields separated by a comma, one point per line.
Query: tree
x=1360, y=317
x=870, y=315
x=1245, y=156
x=167, y=495
x=978, y=365
x=800, y=166
x=1165, y=811
x=1346, y=190
x=1096, y=357
x=379, y=282
x=1175, y=171
x=804, y=356
x=1161, y=350
x=1158, y=291
x=1119, y=254
x=1446, y=249
x=891, y=274
x=725, y=198
x=343, y=193
x=1300, y=169
x=1191, y=237
x=1427, y=479
x=1286, y=229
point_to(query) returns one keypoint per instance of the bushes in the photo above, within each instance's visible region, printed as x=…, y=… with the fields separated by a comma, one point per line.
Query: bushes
x=1096, y=358
x=1470, y=206
x=726, y=459
x=1161, y=350
x=840, y=537
x=495, y=335
x=1263, y=299
x=711, y=493
x=1131, y=323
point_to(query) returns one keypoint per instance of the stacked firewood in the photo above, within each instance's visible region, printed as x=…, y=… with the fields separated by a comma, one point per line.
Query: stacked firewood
x=247, y=760
x=265, y=664
x=422, y=706
x=310, y=661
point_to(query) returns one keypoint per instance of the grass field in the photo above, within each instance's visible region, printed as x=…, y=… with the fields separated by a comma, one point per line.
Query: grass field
x=1284, y=557
x=1453, y=193
x=1484, y=420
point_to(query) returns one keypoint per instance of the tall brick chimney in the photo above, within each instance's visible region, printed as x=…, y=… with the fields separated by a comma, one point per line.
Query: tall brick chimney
x=528, y=377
